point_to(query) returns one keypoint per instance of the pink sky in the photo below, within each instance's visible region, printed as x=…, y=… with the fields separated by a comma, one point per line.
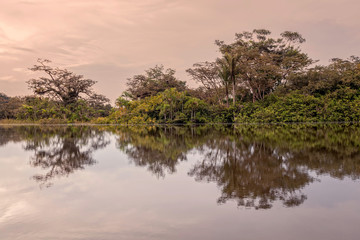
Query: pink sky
x=111, y=40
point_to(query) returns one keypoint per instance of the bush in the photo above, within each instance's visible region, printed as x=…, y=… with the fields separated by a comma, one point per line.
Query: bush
x=296, y=107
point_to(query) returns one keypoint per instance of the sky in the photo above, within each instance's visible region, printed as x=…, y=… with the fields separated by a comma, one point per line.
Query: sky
x=112, y=40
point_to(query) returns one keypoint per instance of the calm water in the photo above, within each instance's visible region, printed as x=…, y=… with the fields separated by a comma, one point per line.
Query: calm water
x=207, y=182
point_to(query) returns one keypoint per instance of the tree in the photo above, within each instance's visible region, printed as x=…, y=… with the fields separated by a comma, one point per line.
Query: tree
x=224, y=74
x=338, y=74
x=9, y=106
x=262, y=63
x=3, y=97
x=154, y=80
x=213, y=77
x=230, y=65
x=3, y=102
x=63, y=85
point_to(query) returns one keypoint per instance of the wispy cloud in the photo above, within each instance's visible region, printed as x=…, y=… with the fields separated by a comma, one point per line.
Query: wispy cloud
x=8, y=78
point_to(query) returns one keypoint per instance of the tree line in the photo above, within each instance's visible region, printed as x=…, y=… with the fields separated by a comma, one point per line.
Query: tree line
x=256, y=78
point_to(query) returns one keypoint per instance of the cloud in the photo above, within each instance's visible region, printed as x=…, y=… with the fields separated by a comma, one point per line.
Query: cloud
x=23, y=71
x=7, y=78
x=23, y=49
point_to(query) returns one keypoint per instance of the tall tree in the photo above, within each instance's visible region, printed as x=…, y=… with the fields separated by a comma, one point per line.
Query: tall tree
x=213, y=77
x=224, y=74
x=261, y=62
x=230, y=64
x=63, y=85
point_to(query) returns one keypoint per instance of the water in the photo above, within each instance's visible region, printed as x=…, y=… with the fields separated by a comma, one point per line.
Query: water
x=206, y=182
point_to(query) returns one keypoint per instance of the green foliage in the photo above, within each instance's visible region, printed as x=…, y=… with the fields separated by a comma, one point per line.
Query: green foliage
x=48, y=111
x=154, y=81
x=9, y=106
x=341, y=105
x=170, y=106
x=262, y=63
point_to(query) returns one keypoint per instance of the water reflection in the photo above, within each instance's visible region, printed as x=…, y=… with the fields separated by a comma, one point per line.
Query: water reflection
x=159, y=149
x=59, y=151
x=251, y=173
x=254, y=165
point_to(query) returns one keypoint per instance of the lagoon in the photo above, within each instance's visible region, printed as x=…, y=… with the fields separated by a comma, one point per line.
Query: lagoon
x=296, y=181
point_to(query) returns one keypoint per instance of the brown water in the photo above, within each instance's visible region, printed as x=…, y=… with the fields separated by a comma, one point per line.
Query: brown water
x=206, y=182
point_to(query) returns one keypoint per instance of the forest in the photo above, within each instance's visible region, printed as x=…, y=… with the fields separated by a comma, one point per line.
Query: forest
x=257, y=78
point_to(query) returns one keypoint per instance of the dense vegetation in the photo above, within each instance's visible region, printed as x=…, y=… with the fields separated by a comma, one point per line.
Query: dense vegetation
x=257, y=78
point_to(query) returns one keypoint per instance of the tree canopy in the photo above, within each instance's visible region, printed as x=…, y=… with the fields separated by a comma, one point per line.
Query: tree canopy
x=254, y=62
x=155, y=80
x=63, y=85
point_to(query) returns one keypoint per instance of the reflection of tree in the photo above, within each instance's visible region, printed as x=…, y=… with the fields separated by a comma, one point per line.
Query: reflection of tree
x=255, y=165
x=252, y=174
x=59, y=150
x=259, y=164
x=11, y=134
x=332, y=149
x=160, y=149
x=70, y=149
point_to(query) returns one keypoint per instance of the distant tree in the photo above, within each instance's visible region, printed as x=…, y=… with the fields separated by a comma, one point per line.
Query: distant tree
x=339, y=73
x=9, y=106
x=3, y=101
x=154, y=80
x=321, y=80
x=3, y=97
x=63, y=85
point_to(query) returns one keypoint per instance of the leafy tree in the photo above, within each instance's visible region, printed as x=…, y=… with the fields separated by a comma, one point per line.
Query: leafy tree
x=170, y=106
x=230, y=66
x=213, y=77
x=9, y=106
x=154, y=81
x=3, y=101
x=261, y=63
x=321, y=80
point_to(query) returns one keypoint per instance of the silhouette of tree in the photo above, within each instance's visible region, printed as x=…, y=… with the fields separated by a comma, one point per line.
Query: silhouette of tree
x=63, y=85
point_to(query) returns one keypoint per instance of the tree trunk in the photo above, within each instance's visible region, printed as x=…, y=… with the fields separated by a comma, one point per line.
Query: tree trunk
x=227, y=94
x=234, y=90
